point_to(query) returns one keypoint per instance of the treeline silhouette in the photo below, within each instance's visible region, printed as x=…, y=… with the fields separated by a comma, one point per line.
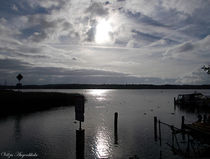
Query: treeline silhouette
x=108, y=86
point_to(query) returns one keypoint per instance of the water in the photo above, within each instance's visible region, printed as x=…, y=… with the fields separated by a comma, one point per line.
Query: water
x=52, y=133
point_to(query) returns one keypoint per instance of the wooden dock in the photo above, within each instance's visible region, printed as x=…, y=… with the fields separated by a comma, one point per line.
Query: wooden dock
x=191, y=140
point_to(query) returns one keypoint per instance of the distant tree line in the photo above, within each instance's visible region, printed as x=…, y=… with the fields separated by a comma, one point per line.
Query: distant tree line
x=108, y=86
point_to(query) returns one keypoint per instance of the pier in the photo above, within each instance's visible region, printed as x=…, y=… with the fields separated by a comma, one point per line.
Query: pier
x=190, y=140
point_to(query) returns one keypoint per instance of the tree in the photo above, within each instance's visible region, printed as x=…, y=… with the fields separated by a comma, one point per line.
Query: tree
x=206, y=68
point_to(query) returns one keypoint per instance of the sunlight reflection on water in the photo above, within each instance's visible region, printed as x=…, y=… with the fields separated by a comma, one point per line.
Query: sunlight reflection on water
x=102, y=147
x=51, y=134
x=99, y=94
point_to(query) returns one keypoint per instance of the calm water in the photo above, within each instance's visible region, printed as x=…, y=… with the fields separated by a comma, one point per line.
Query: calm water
x=52, y=134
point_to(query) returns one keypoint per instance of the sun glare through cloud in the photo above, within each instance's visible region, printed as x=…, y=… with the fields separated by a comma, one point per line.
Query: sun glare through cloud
x=103, y=32
x=104, y=41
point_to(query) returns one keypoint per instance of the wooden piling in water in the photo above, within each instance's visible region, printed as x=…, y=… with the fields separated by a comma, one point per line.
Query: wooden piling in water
x=182, y=125
x=173, y=134
x=115, y=127
x=80, y=144
x=155, y=128
x=159, y=132
x=80, y=125
x=183, y=128
x=115, y=120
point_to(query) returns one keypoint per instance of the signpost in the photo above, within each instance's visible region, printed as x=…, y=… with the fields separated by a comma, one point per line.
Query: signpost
x=19, y=77
x=80, y=134
x=19, y=85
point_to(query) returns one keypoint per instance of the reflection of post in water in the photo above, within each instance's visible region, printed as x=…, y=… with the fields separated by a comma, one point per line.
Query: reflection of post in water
x=80, y=144
x=115, y=128
x=80, y=134
x=17, y=129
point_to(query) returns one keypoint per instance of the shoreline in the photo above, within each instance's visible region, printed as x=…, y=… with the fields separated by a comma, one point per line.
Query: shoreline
x=108, y=86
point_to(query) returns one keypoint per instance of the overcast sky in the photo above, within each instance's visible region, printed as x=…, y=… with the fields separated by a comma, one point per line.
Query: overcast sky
x=116, y=41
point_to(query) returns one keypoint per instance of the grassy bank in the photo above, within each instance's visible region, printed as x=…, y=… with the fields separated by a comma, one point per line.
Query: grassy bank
x=13, y=102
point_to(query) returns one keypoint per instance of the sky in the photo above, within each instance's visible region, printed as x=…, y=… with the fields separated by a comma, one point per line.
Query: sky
x=104, y=41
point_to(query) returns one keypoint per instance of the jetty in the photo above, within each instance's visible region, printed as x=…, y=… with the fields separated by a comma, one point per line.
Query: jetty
x=190, y=140
x=18, y=102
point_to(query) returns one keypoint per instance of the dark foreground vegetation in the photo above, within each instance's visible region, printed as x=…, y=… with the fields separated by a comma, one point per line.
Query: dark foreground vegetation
x=17, y=102
x=108, y=86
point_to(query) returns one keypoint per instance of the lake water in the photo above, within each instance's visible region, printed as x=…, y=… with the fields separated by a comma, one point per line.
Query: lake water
x=52, y=134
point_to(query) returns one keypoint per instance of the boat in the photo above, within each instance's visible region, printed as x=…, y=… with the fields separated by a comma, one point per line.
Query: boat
x=193, y=99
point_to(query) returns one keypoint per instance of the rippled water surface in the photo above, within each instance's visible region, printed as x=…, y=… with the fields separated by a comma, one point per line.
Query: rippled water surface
x=52, y=133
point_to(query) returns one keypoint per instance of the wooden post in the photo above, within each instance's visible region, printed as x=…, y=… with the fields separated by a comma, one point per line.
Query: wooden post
x=182, y=126
x=172, y=128
x=159, y=133
x=80, y=125
x=188, y=145
x=155, y=128
x=80, y=144
x=115, y=120
x=115, y=127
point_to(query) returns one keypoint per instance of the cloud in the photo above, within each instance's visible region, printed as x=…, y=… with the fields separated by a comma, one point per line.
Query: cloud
x=14, y=7
x=195, y=77
x=45, y=4
x=151, y=41
x=97, y=9
x=188, y=46
x=9, y=68
x=184, y=6
x=198, y=50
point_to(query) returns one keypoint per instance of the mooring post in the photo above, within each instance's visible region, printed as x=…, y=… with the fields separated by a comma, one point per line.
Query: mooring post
x=159, y=132
x=115, y=121
x=155, y=128
x=182, y=126
x=115, y=127
x=80, y=125
x=80, y=144
x=172, y=128
x=188, y=145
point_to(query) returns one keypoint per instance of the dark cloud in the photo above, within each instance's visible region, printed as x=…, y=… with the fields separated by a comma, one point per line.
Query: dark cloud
x=12, y=65
x=97, y=9
x=23, y=51
x=141, y=18
x=38, y=36
x=91, y=34
x=40, y=28
x=138, y=35
x=186, y=47
x=107, y=3
x=9, y=68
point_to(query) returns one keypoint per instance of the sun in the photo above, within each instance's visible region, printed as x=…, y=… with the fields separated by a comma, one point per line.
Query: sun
x=103, y=32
